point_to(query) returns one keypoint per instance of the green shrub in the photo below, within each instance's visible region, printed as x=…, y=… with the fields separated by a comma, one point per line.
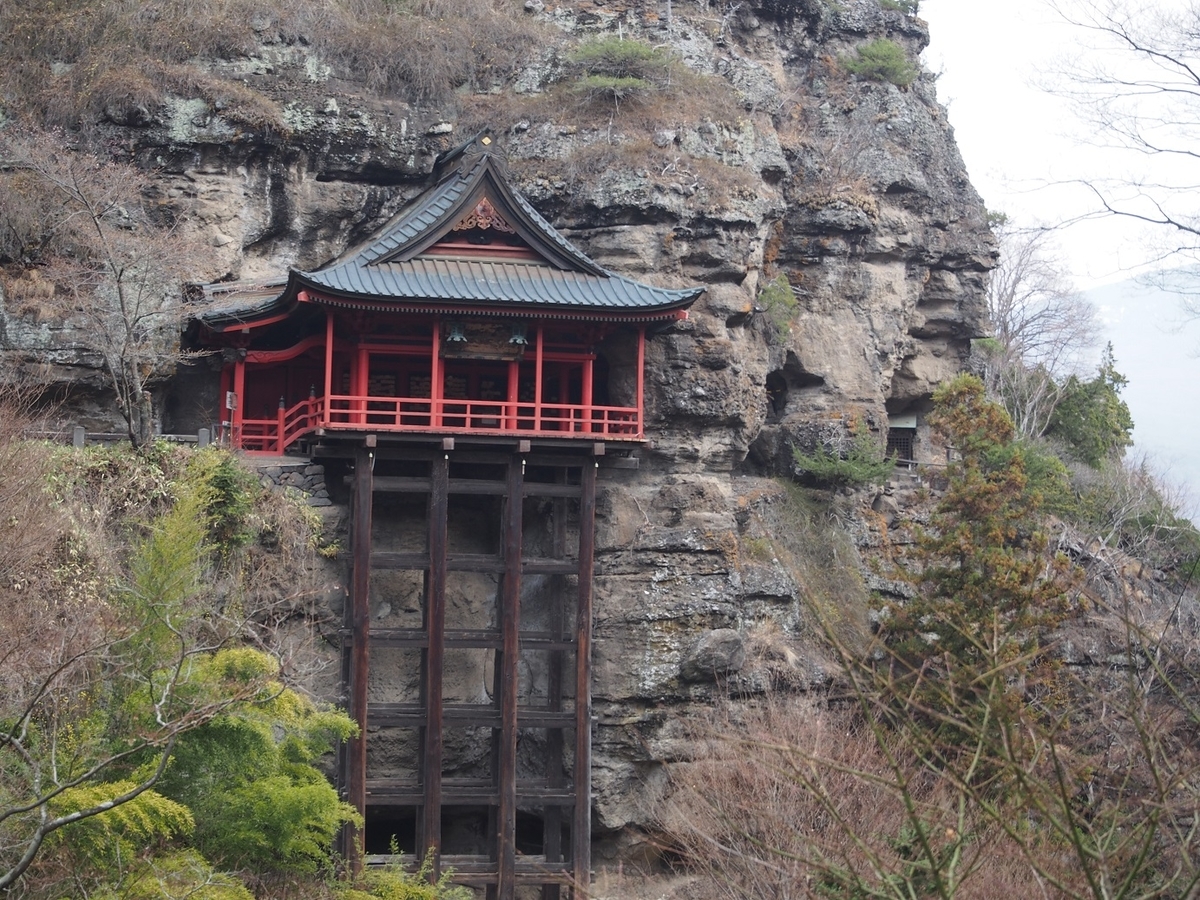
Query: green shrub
x=908, y=7
x=619, y=58
x=248, y=777
x=228, y=490
x=861, y=462
x=122, y=832
x=778, y=302
x=882, y=60
x=394, y=883
x=619, y=70
x=184, y=873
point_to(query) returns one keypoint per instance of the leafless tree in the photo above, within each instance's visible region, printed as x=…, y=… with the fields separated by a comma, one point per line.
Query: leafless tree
x=1042, y=327
x=1136, y=86
x=104, y=253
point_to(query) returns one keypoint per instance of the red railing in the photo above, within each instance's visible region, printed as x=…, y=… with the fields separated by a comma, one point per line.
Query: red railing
x=415, y=415
x=273, y=436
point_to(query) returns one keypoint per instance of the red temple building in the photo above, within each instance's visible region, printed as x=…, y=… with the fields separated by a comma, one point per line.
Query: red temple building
x=468, y=315
x=466, y=371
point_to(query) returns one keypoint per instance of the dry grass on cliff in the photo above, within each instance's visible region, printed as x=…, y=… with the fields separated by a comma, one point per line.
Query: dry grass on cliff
x=787, y=795
x=72, y=62
x=811, y=542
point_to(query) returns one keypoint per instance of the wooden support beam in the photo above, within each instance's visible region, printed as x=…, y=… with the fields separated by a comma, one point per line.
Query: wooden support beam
x=581, y=832
x=508, y=661
x=552, y=817
x=435, y=630
x=360, y=588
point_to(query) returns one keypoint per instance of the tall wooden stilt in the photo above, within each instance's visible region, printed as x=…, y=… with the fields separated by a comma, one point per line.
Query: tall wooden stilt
x=435, y=630
x=360, y=637
x=509, y=658
x=581, y=832
x=552, y=818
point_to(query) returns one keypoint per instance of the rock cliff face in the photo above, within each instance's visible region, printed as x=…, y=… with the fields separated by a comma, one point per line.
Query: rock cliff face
x=848, y=189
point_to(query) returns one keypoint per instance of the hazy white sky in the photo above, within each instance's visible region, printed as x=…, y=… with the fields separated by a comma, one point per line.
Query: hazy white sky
x=1016, y=137
x=995, y=60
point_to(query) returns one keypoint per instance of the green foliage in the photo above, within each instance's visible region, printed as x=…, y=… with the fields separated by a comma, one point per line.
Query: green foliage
x=882, y=60
x=123, y=831
x=228, y=491
x=859, y=463
x=778, y=301
x=984, y=558
x=908, y=7
x=1091, y=419
x=170, y=876
x=622, y=58
x=1048, y=478
x=392, y=882
x=248, y=777
x=618, y=70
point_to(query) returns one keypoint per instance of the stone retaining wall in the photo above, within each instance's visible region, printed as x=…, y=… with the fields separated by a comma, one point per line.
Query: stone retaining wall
x=300, y=476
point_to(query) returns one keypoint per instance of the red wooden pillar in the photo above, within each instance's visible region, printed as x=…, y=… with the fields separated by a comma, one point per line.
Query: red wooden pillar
x=641, y=381
x=581, y=830
x=588, y=374
x=360, y=636
x=514, y=380
x=280, y=425
x=362, y=384
x=537, y=379
x=239, y=402
x=328, y=365
x=435, y=379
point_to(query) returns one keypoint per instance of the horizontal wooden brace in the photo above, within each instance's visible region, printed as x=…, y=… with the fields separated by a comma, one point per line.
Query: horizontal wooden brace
x=479, y=871
x=462, y=639
x=472, y=486
x=473, y=562
x=412, y=715
x=408, y=792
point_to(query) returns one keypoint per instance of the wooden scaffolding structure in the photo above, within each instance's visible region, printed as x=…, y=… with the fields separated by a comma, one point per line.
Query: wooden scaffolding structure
x=552, y=490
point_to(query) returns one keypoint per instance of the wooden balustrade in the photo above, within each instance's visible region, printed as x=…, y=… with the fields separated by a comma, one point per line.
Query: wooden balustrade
x=344, y=412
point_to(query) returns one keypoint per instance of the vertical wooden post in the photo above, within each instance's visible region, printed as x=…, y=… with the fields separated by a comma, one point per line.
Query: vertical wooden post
x=239, y=403
x=363, y=384
x=360, y=630
x=328, y=365
x=641, y=381
x=538, y=353
x=435, y=630
x=581, y=832
x=435, y=380
x=514, y=380
x=552, y=818
x=510, y=657
x=588, y=374
x=280, y=425
x=225, y=416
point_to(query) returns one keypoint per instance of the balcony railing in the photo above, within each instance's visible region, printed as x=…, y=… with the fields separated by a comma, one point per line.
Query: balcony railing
x=422, y=415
